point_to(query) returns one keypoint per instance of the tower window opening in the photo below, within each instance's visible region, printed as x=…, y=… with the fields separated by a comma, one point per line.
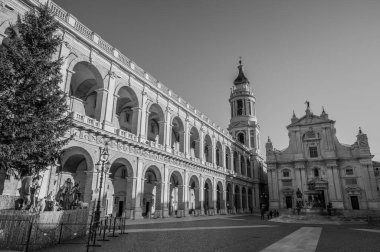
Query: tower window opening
x=240, y=107
x=241, y=138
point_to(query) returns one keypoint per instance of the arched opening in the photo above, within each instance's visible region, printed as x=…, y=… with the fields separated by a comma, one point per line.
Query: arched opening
x=126, y=110
x=73, y=178
x=241, y=137
x=219, y=154
x=249, y=168
x=84, y=90
x=237, y=199
x=177, y=137
x=244, y=199
x=207, y=153
x=236, y=162
x=151, y=205
x=207, y=202
x=194, y=142
x=176, y=193
x=242, y=165
x=156, y=124
x=193, y=194
x=119, y=189
x=228, y=158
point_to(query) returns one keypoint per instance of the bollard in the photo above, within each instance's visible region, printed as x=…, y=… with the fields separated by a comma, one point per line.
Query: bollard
x=104, y=231
x=114, y=226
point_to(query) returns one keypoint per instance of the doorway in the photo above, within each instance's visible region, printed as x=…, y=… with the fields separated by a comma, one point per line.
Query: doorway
x=147, y=208
x=121, y=209
x=355, y=202
x=289, y=202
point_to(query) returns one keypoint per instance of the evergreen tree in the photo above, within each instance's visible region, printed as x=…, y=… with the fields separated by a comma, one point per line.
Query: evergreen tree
x=33, y=111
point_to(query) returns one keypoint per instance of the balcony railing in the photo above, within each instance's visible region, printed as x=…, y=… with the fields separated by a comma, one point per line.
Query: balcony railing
x=86, y=120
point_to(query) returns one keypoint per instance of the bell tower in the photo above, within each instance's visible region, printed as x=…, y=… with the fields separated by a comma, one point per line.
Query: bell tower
x=243, y=123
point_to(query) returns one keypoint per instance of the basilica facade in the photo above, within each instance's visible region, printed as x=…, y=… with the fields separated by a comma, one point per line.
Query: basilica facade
x=165, y=156
x=316, y=169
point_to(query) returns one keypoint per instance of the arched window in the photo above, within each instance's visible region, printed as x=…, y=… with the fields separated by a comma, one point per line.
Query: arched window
x=286, y=173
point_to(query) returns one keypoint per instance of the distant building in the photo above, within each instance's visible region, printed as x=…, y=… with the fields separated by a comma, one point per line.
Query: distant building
x=316, y=168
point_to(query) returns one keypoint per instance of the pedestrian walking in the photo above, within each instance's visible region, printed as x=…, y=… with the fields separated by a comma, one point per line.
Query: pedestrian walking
x=262, y=212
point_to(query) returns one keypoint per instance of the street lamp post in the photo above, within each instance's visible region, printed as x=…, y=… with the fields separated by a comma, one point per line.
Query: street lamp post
x=104, y=164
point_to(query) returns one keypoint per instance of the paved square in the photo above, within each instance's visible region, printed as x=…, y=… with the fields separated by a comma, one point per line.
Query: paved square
x=243, y=233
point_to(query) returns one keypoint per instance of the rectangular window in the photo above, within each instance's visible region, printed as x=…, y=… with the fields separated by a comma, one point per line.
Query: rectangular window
x=349, y=171
x=239, y=107
x=126, y=117
x=351, y=181
x=313, y=152
x=250, y=108
x=287, y=183
x=285, y=173
x=123, y=173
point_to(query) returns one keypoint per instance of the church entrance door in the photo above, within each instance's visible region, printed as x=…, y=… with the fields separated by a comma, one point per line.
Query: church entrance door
x=289, y=202
x=355, y=202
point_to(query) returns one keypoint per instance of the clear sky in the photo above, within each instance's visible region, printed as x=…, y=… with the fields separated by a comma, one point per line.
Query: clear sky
x=325, y=51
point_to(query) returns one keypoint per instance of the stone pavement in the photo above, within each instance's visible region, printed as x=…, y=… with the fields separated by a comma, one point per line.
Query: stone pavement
x=237, y=233
x=315, y=219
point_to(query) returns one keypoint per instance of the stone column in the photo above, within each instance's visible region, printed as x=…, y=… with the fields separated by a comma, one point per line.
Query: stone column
x=136, y=111
x=142, y=130
x=238, y=164
x=185, y=193
x=213, y=151
x=113, y=114
x=69, y=75
x=223, y=154
x=107, y=123
x=214, y=195
x=201, y=193
x=201, y=145
x=339, y=203
x=138, y=190
x=101, y=101
x=165, y=192
x=168, y=131
x=187, y=139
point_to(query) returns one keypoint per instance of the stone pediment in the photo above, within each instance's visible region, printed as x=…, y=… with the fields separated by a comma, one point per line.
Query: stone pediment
x=310, y=120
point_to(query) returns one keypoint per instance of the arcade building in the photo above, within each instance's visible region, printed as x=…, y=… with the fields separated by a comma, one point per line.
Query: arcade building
x=166, y=158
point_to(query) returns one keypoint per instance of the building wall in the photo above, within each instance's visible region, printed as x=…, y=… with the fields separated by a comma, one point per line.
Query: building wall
x=339, y=173
x=101, y=82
